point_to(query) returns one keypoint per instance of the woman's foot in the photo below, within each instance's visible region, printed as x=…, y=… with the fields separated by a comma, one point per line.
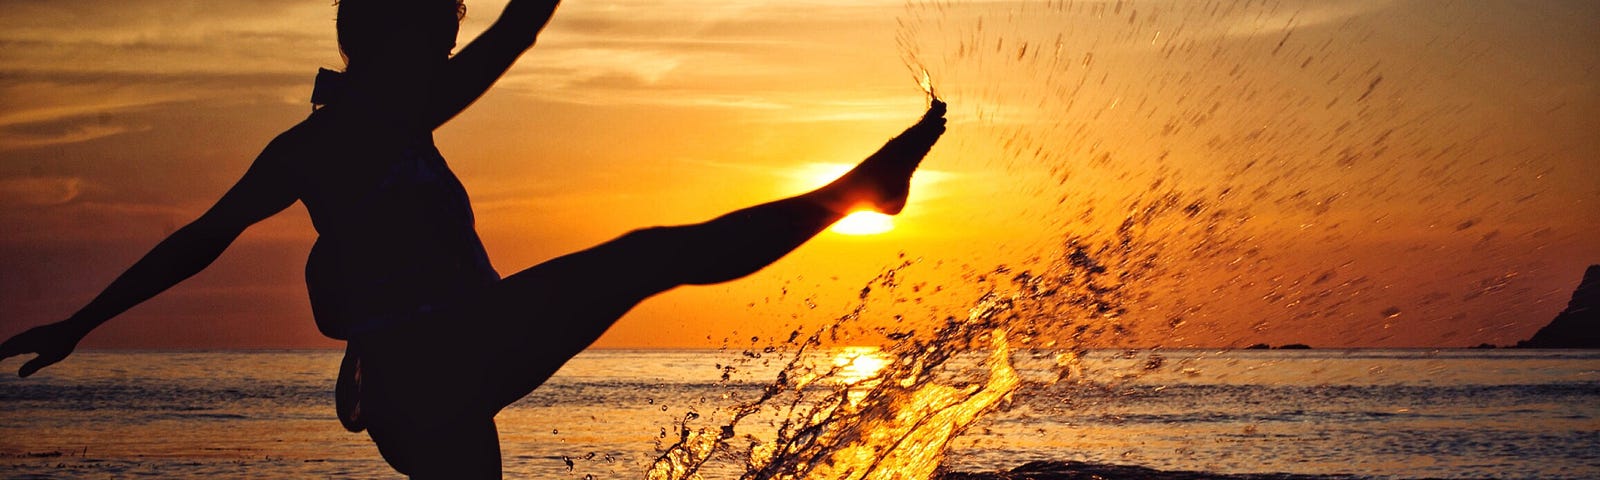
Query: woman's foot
x=882, y=181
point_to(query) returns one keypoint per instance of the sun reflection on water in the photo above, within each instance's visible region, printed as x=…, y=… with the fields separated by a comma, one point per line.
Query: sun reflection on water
x=859, y=363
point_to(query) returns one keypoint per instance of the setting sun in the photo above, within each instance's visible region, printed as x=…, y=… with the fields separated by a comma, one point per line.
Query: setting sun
x=859, y=222
x=864, y=222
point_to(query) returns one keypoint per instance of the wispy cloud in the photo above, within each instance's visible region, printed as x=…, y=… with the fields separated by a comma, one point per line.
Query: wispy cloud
x=44, y=134
x=40, y=191
x=73, y=70
x=714, y=54
x=1306, y=15
x=166, y=36
x=53, y=108
x=739, y=55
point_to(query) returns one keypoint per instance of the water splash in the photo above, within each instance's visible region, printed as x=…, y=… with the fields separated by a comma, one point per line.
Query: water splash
x=1218, y=173
x=898, y=429
x=943, y=374
x=926, y=82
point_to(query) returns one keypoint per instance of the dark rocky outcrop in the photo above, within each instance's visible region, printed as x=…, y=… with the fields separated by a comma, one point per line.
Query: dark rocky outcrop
x=1579, y=325
x=1292, y=346
x=1070, y=470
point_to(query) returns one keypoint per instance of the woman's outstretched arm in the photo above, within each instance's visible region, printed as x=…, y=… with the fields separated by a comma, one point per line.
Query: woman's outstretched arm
x=478, y=65
x=263, y=191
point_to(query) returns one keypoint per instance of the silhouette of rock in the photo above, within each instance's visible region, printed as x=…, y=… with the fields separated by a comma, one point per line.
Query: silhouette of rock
x=1579, y=325
x=1070, y=470
x=1292, y=346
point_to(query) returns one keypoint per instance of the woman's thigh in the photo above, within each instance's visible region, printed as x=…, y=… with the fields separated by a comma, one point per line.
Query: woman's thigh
x=533, y=322
x=492, y=349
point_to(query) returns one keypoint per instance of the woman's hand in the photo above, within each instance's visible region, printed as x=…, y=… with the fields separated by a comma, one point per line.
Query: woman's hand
x=52, y=342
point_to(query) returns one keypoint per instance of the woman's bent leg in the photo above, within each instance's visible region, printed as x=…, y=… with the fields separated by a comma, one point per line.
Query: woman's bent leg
x=465, y=450
x=415, y=386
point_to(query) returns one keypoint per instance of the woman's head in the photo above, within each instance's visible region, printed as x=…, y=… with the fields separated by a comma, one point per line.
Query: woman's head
x=397, y=34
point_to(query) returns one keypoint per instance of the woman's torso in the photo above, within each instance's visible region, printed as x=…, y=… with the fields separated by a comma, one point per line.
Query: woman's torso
x=395, y=228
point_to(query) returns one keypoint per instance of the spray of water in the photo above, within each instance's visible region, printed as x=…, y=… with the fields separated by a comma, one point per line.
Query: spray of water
x=1220, y=173
x=943, y=373
x=1383, y=176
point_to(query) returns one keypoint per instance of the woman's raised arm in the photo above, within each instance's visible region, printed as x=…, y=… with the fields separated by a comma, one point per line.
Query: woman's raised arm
x=264, y=190
x=478, y=65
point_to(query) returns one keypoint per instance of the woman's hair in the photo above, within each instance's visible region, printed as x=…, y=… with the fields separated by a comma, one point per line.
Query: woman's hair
x=363, y=24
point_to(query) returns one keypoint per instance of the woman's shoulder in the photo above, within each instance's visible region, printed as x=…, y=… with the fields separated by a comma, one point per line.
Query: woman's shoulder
x=302, y=144
x=332, y=141
x=318, y=132
x=336, y=125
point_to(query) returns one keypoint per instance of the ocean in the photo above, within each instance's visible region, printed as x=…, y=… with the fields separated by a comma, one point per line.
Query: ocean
x=1381, y=414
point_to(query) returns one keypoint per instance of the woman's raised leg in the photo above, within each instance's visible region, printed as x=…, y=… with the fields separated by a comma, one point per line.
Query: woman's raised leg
x=537, y=319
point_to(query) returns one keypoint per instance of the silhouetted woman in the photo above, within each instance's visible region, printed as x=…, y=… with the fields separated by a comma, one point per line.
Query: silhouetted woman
x=438, y=342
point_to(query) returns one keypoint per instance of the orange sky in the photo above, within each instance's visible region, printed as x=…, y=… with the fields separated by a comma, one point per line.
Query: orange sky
x=1440, y=160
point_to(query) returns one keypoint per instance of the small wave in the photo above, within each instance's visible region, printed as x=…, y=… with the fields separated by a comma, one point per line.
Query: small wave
x=198, y=416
